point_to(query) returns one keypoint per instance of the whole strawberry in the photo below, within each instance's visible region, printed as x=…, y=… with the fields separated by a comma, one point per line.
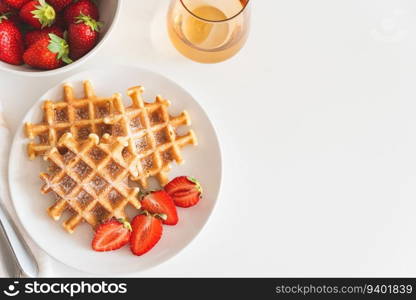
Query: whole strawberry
x=81, y=7
x=38, y=14
x=59, y=5
x=47, y=53
x=83, y=36
x=17, y=4
x=11, y=42
x=33, y=36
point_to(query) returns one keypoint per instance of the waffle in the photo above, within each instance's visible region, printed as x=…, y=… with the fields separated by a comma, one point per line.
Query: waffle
x=90, y=179
x=78, y=116
x=152, y=134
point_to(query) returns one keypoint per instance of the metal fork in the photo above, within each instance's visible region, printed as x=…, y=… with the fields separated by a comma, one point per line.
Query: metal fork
x=23, y=256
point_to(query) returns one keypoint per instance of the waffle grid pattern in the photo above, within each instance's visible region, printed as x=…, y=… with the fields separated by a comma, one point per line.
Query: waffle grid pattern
x=90, y=180
x=81, y=117
x=152, y=134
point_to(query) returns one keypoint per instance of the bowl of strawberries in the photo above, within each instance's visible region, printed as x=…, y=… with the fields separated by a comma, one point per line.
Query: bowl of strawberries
x=46, y=37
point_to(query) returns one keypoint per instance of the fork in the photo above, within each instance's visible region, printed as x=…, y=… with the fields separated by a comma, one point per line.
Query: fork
x=22, y=255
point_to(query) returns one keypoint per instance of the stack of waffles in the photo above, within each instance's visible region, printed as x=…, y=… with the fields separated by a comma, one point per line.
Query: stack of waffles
x=97, y=148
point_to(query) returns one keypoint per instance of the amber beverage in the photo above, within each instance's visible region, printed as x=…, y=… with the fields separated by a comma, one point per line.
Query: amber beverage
x=208, y=31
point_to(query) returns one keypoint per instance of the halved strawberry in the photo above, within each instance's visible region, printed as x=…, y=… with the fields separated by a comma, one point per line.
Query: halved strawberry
x=160, y=202
x=184, y=190
x=147, y=231
x=111, y=235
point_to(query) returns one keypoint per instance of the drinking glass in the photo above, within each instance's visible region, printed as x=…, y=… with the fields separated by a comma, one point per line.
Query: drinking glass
x=208, y=31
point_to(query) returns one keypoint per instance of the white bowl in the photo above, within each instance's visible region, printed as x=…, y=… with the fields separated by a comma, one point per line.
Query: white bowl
x=109, y=13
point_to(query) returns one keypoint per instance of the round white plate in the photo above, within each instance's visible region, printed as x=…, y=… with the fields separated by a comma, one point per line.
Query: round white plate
x=202, y=162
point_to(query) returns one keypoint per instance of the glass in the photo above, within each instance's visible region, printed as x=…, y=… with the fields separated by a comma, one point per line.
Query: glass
x=208, y=31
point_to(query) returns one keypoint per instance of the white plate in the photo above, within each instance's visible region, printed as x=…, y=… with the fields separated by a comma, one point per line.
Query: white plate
x=202, y=162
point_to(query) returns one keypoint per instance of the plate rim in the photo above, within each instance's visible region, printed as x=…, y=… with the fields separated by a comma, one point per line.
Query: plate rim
x=20, y=128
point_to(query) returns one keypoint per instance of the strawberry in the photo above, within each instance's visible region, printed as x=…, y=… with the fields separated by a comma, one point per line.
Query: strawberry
x=111, y=235
x=59, y=20
x=38, y=14
x=35, y=35
x=184, y=190
x=17, y=4
x=84, y=7
x=59, y=5
x=83, y=36
x=160, y=202
x=47, y=53
x=16, y=20
x=4, y=8
x=147, y=231
x=13, y=16
x=9, y=12
x=11, y=42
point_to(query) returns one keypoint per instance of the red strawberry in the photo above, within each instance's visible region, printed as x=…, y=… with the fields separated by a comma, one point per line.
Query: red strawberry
x=84, y=7
x=59, y=20
x=38, y=14
x=17, y=4
x=4, y=8
x=47, y=53
x=9, y=12
x=59, y=5
x=184, y=190
x=83, y=36
x=111, y=235
x=147, y=231
x=11, y=42
x=33, y=36
x=160, y=202
x=16, y=20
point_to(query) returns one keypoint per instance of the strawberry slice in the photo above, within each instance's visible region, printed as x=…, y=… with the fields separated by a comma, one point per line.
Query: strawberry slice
x=159, y=202
x=111, y=235
x=147, y=231
x=184, y=190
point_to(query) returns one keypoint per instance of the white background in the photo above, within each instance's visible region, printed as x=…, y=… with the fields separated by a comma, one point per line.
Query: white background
x=317, y=121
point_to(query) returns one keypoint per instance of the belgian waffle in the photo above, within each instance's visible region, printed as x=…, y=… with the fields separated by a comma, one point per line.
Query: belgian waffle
x=152, y=134
x=90, y=179
x=78, y=116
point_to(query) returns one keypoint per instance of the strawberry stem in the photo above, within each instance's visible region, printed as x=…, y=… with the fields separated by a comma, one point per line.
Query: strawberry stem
x=60, y=46
x=161, y=216
x=197, y=184
x=125, y=223
x=45, y=13
x=5, y=16
x=87, y=20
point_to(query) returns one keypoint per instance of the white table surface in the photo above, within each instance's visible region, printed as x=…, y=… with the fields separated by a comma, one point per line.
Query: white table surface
x=317, y=121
